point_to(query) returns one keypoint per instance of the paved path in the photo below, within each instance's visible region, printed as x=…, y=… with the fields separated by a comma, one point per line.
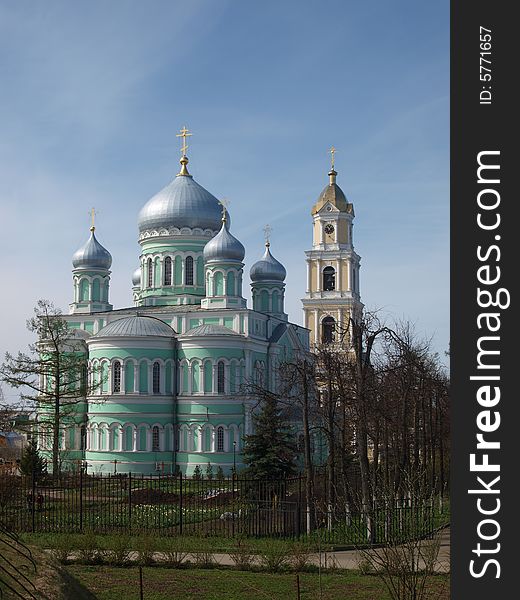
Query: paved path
x=344, y=559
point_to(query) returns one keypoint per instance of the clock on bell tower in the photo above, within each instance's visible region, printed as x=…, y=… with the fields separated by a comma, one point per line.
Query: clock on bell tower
x=332, y=297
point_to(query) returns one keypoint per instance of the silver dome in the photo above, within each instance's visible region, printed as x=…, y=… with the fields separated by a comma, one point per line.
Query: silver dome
x=92, y=255
x=210, y=329
x=136, y=277
x=267, y=268
x=135, y=327
x=224, y=247
x=182, y=203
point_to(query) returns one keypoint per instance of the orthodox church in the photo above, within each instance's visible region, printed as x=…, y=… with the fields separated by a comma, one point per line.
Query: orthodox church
x=168, y=376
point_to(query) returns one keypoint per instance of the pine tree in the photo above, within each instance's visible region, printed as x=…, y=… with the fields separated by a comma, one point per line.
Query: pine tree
x=270, y=451
x=32, y=462
x=197, y=473
x=209, y=472
x=220, y=473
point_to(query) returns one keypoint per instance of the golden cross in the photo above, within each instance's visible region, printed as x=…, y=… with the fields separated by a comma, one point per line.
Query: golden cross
x=93, y=214
x=267, y=232
x=332, y=152
x=224, y=203
x=184, y=134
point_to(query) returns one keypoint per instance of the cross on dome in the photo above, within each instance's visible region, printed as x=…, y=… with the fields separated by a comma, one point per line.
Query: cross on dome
x=92, y=214
x=332, y=153
x=267, y=234
x=184, y=133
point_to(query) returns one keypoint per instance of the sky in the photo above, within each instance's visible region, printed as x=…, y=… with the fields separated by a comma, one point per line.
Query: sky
x=93, y=94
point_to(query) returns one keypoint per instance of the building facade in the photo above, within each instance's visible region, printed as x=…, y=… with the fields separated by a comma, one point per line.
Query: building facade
x=169, y=376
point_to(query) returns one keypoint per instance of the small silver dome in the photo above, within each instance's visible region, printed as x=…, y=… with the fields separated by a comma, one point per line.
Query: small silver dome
x=210, y=329
x=224, y=247
x=267, y=268
x=136, y=326
x=92, y=255
x=136, y=277
x=182, y=203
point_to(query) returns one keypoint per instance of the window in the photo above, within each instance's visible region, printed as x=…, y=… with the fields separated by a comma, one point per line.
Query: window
x=83, y=438
x=155, y=438
x=167, y=271
x=328, y=326
x=84, y=381
x=220, y=439
x=188, y=271
x=220, y=377
x=156, y=378
x=116, y=377
x=150, y=273
x=329, y=279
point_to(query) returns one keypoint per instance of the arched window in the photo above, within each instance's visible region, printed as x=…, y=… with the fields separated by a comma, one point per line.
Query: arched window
x=150, y=273
x=220, y=377
x=116, y=377
x=220, y=439
x=167, y=271
x=328, y=326
x=83, y=438
x=155, y=438
x=188, y=271
x=84, y=381
x=156, y=378
x=329, y=279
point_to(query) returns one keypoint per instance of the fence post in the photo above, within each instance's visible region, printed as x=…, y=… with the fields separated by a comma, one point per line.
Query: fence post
x=233, y=504
x=298, y=508
x=130, y=501
x=180, y=503
x=81, y=499
x=33, y=501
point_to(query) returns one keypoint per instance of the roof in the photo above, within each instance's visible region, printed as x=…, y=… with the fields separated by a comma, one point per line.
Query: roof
x=203, y=330
x=136, y=326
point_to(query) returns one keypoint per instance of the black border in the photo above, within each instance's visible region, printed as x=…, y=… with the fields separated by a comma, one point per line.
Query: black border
x=475, y=128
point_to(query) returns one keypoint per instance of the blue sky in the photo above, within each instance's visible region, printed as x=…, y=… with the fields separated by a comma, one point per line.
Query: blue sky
x=94, y=92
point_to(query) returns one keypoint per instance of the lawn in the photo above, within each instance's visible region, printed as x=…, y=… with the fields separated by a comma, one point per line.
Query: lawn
x=110, y=583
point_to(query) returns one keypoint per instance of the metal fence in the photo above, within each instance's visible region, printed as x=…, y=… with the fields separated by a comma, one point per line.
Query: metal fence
x=176, y=505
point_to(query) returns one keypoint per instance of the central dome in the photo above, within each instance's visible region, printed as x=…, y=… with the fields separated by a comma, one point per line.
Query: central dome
x=182, y=203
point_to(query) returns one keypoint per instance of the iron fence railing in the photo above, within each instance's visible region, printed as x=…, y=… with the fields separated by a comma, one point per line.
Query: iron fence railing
x=176, y=505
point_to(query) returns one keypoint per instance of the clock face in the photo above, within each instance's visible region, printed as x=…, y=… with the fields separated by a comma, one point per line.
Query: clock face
x=329, y=229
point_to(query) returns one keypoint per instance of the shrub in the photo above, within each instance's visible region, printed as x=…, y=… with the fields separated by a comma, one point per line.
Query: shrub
x=145, y=551
x=204, y=559
x=242, y=554
x=89, y=551
x=176, y=551
x=119, y=553
x=299, y=556
x=60, y=549
x=274, y=557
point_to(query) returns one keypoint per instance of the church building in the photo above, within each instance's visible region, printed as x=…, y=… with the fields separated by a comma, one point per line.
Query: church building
x=169, y=375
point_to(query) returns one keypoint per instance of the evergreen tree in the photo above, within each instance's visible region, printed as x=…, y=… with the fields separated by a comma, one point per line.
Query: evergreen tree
x=209, y=472
x=270, y=451
x=32, y=462
x=197, y=473
x=220, y=473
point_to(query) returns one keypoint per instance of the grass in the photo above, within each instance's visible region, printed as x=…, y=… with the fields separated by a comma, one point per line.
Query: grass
x=107, y=583
x=75, y=541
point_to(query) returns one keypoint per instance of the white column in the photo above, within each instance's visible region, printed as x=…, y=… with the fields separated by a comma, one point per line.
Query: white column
x=120, y=431
x=123, y=369
x=150, y=379
x=213, y=440
x=134, y=439
x=318, y=275
x=149, y=439
x=137, y=377
x=316, y=327
x=308, y=276
x=190, y=380
x=226, y=439
x=214, y=385
x=161, y=440
x=338, y=274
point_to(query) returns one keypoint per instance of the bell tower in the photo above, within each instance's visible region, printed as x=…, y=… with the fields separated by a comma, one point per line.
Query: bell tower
x=332, y=296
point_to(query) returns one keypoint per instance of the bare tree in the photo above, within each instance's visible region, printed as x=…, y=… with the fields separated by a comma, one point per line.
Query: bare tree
x=54, y=376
